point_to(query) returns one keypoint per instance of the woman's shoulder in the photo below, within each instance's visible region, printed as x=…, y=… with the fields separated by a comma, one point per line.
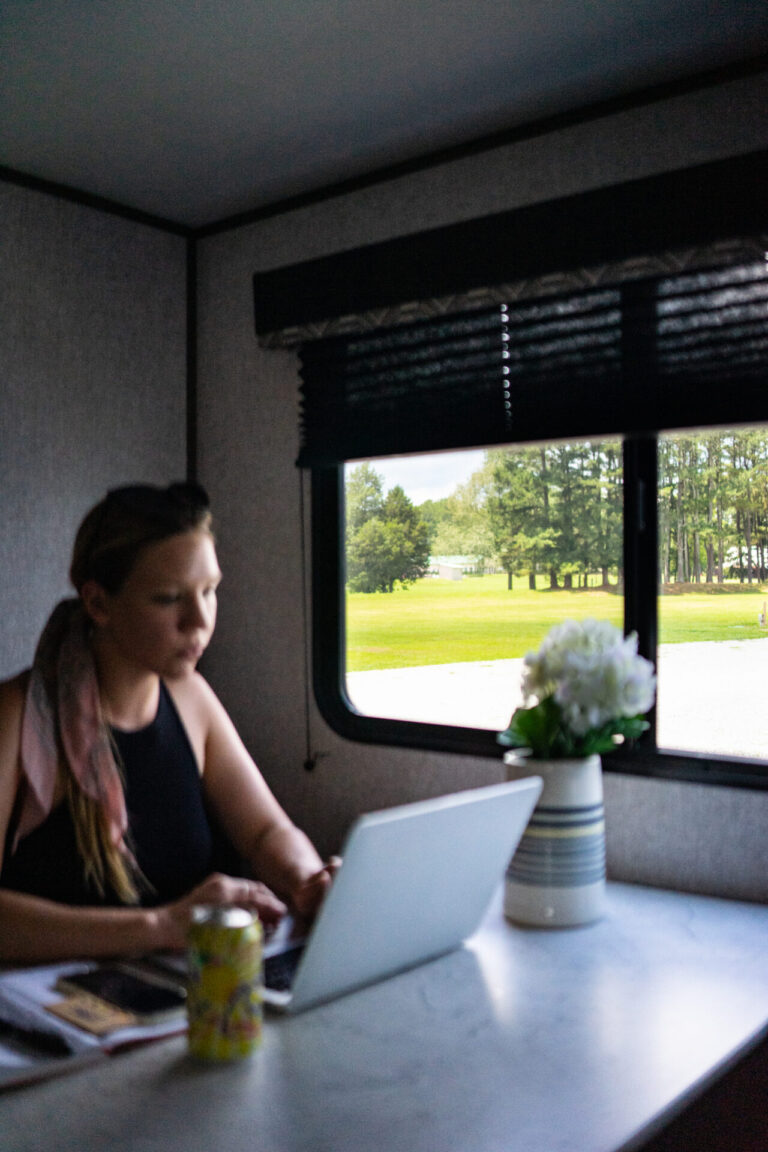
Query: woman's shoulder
x=13, y=692
x=196, y=702
x=12, y=696
x=192, y=691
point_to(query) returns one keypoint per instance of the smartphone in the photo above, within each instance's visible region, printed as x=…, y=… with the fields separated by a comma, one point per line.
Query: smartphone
x=145, y=997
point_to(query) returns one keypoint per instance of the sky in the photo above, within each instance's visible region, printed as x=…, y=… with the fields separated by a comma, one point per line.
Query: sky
x=429, y=477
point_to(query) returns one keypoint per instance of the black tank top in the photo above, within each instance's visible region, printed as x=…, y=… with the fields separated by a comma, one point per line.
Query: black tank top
x=172, y=837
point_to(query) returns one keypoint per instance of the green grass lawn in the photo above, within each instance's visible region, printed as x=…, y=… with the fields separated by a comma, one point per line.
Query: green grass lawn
x=446, y=622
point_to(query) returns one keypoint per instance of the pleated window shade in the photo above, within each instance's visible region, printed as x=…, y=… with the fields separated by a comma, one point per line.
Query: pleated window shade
x=644, y=355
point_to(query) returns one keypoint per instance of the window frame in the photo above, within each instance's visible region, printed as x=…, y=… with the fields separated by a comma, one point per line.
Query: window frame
x=640, y=615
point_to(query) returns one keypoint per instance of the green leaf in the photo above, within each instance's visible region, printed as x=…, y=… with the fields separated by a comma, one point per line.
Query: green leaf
x=541, y=729
x=536, y=728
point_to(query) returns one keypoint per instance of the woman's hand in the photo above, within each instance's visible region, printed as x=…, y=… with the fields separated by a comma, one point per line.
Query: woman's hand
x=307, y=898
x=225, y=891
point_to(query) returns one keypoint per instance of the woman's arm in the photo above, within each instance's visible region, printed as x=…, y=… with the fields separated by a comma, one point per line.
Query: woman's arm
x=35, y=931
x=276, y=850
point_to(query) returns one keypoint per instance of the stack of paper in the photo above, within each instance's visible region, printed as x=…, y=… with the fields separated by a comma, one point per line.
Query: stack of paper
x=36, y=1042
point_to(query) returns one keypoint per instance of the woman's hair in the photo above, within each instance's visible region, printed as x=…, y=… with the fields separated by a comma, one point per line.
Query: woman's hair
x=107, y=546
x=112, y=535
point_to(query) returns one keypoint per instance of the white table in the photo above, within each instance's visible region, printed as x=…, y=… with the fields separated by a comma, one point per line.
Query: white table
x=575, y=1040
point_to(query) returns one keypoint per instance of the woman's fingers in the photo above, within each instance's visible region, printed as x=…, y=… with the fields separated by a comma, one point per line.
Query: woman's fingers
x=232, y=890
x=224, y=891
x=309, y=896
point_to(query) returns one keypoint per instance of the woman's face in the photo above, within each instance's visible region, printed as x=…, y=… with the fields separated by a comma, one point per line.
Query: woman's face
x=163, y=617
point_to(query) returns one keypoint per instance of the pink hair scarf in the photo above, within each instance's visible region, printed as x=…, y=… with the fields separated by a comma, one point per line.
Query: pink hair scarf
x=62, y=718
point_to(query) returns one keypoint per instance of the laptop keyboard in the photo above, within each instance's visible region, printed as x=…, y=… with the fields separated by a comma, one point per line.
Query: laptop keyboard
x=280, y=970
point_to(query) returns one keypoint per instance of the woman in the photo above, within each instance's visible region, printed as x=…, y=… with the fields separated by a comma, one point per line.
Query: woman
x=118, y=764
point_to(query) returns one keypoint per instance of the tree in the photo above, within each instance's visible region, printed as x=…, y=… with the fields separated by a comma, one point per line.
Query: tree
x=464, y=528
x=593, y=541
x=713, y=504
x=368, y=560
x=517, y=511
x=364, y=496
x=387, y=539
x=557, y=508
x=435, y=513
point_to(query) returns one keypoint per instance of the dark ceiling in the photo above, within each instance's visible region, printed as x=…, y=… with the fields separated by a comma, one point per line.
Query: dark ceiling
x=195, y=112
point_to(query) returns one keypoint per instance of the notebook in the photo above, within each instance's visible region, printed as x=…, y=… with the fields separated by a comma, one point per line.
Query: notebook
x=415, y=883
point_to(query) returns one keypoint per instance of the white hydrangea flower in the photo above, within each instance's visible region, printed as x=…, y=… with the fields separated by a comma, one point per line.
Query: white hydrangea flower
x=594, y=673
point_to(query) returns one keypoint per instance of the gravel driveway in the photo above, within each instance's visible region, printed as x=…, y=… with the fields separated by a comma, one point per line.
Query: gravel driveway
x=713, y=695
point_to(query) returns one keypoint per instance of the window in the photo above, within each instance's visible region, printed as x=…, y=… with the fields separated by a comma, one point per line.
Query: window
x=605, y=384
x=514, y=540
x=713, y=587
x=457, y=564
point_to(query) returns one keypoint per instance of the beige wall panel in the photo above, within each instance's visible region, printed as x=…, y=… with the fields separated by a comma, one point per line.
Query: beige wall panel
x=93, y=393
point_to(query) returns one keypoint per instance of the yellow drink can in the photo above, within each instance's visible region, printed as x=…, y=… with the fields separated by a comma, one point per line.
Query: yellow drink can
x=224, y=1002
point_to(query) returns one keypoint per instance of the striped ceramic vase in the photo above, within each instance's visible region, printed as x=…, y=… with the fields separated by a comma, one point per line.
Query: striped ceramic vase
x=557, y=875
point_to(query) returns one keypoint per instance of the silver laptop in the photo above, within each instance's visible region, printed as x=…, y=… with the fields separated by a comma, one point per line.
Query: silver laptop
x=415, y=883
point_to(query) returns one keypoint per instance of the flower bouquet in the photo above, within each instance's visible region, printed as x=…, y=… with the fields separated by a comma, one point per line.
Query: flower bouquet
x=592, y=690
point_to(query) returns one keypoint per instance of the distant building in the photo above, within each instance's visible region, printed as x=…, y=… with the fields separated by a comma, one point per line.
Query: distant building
x=456, y=567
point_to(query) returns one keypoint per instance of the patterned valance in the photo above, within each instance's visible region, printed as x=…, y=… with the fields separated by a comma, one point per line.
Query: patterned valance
x=722, y=253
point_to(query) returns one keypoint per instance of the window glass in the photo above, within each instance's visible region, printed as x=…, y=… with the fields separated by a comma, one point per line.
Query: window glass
x=713, y=568
x=458, y=563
